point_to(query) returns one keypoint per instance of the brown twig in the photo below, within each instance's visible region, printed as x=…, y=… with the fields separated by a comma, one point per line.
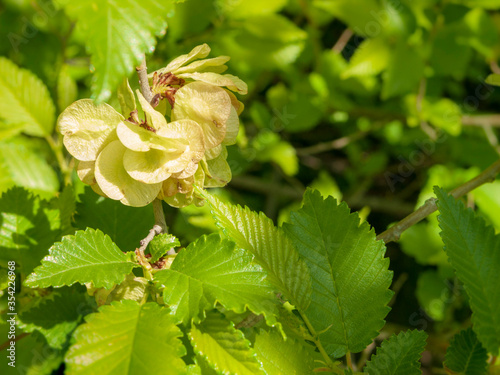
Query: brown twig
x=494, y=66
x=396, y=287
x=341, y=42
x=336, y=144
x=394, y=233
x=492, y=138
x=159, y=215
x=349, y=362
x=481, y=120
x=395, y=207
x=142, y=72
x=426, y=128
x=156, y=230
x=365, y=355
x=160, y=222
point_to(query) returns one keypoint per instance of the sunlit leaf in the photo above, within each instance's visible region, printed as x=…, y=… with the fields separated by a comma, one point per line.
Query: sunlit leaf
x=350, y=288
x=224, y=347
x=67, y=89
x=22, y=165
x=211, y=270
x=126, y=97
x=161, y=244
x=26, y=231
x=371, y=58
x=283, y=357
x=115, y=39
x=272, y=249
x=118, y=340
x=86, y=257
x=493, y=79
x=24, y=99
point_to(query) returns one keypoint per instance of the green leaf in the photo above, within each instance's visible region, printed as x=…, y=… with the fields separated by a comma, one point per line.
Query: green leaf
x=24, y=99
x=445, y=114
x=466, y=355
x=359, y=18
x=132, y=288
x=431, y=293
x=289, y=357
x=296, y=109
x=487, y=4
x=224, y=347
x=370, y=18
x=117, y=35
x=126, y=226
x=271, y=248
x=127, y=338
x=4, y=279
x=25, y=229
x=487, y=198
x=55, y=317
x=493, y=79
x=264, y=42
x=126, y=98
x=270, y=147
x=196, y=370
x=8, y=131
x=450, y=56
x=67, y=89
x=212, y=270
x=249, y=8
x=20, y=165
x=398, y=355
x=160, y=245
x=67, y=206
x=350, y=288
x=484, y=33
x=422, y=242
x=404, y=72
x=370, y=58
x=474, y=252
x=86, y=257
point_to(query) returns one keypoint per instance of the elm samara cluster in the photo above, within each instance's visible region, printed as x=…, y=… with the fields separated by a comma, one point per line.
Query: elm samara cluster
x=180, y=142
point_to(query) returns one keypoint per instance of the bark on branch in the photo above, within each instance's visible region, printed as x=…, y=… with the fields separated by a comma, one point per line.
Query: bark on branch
x=160, y=222
x=142, y=72
x=394, y=233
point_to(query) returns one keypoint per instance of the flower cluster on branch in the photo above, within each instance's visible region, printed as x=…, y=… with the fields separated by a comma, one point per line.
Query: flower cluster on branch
x=181, y=141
